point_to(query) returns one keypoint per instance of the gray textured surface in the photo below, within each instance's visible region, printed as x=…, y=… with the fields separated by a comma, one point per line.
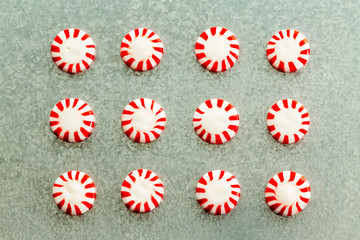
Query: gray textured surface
x=31, y=157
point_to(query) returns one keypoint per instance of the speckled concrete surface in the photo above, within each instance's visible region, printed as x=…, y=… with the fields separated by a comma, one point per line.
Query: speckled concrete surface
x=31, y=157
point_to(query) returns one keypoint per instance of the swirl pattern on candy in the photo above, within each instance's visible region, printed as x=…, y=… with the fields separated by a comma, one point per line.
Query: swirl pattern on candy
x=288, y=121
x=287, y=193
x=218, y=192
x=72, y=120
x=216, y=121
x=141, y=49
x=73, y=51
x=288, y=50
x=217, y=49
x=74, y=192
x=143, y=120
x=142, y=191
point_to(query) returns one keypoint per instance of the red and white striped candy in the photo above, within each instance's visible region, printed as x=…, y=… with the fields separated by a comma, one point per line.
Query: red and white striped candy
x=216, y=121
x=287, y=193
x=288, y=121
x=72, y=120
x=142, y=191
x=288, y=50
x=141, y=49
x=217, y=49
x=74, y=192
x=143, y=120
x=73, y=50
x=218, y=192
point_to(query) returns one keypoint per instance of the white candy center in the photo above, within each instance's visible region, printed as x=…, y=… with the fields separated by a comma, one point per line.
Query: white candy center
x=287, y=121
x=141, y=48
x=215, y=120
x=73, y=50
x=143, y=120
x=287, y=49
x=287, y=193
x=218, y=191
x=217, y=47
x=74, y=192
x=142, y=190
x=71, y=119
